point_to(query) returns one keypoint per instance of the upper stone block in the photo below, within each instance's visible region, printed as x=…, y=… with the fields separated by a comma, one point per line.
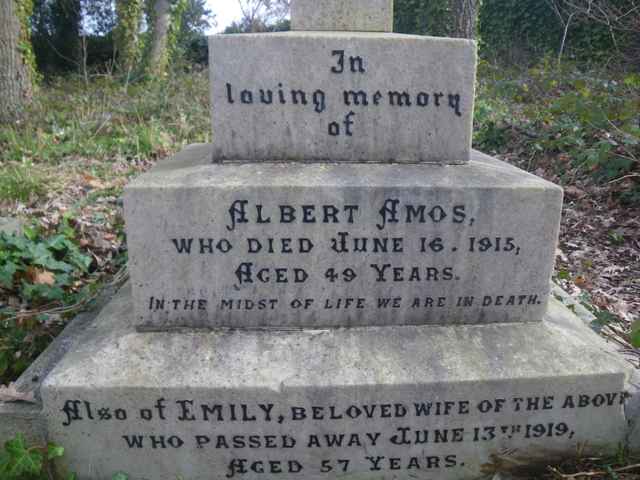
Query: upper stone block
x=342, y=15
x=342, y=97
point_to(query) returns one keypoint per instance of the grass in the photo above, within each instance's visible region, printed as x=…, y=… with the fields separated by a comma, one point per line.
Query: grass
x=106, y=120
x=21, y=182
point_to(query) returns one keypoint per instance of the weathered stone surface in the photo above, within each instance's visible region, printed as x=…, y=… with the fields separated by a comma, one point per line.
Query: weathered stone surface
x=532, y=392
x=359, y=97
x=346, y=15
x=246, y=245
x=22, y=418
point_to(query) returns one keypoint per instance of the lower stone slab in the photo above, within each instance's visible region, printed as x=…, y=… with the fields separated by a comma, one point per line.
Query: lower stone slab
x=429, y=402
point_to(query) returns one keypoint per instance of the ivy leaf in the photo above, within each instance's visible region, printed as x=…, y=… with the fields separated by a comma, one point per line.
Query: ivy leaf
x=54, y=451
x=18, y=243
x=22, y=460
x=57, y=243
x=42, y=292
x=635, y=334
x=7, y=271
x=5, y=463
x=83, y=262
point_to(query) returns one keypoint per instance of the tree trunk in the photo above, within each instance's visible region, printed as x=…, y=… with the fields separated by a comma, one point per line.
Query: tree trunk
x=159, y=55
x=465, y=18
x=15, y=71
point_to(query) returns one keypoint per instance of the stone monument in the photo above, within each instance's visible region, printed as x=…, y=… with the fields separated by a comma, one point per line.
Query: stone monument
x=339, y=286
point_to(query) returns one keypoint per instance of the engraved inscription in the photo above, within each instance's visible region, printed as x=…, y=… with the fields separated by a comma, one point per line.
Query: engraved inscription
x=317, y=99
x=406, y=436
x=388, y=244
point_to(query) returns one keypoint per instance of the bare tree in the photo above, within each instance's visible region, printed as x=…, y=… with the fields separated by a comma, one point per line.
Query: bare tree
x=15, y=70
x=620, y=17
x=566, y=17
x=465, y=18
x=258, y=14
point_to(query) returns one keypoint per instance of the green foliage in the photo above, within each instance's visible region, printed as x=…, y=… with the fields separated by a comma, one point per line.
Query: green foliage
x=422, y=17
x=71, y=120
x=56, y=26
x=19, y=461
x=178, y=11
x=24, y=10
x=171, y=52
x=191, y=42
x=635, y=334
x=525, y=30
x=20, y=182
x=129, y=48
x=588, y=119
x=35, y=270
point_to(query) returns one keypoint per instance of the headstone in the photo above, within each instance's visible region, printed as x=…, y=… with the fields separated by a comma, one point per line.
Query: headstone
x=229, y=356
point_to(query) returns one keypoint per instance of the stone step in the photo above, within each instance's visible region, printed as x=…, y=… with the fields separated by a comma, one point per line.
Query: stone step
x=379, y=402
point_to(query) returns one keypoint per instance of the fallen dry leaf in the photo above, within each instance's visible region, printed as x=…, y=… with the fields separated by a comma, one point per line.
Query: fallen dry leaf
x=44, y=277
x=574, y=192
x=40, y=276
x=580, y=281
x=92, y=181
x=11, y=394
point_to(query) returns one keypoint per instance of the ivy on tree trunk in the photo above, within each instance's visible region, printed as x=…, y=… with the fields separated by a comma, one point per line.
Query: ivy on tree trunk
x=165, y=18
x=17, y=64
x=127, y=35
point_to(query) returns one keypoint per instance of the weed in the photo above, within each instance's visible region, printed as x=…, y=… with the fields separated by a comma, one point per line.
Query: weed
x=587, y=119
x=103, y=121
x=19, y=461
x=20, y=182
x=35, y=270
